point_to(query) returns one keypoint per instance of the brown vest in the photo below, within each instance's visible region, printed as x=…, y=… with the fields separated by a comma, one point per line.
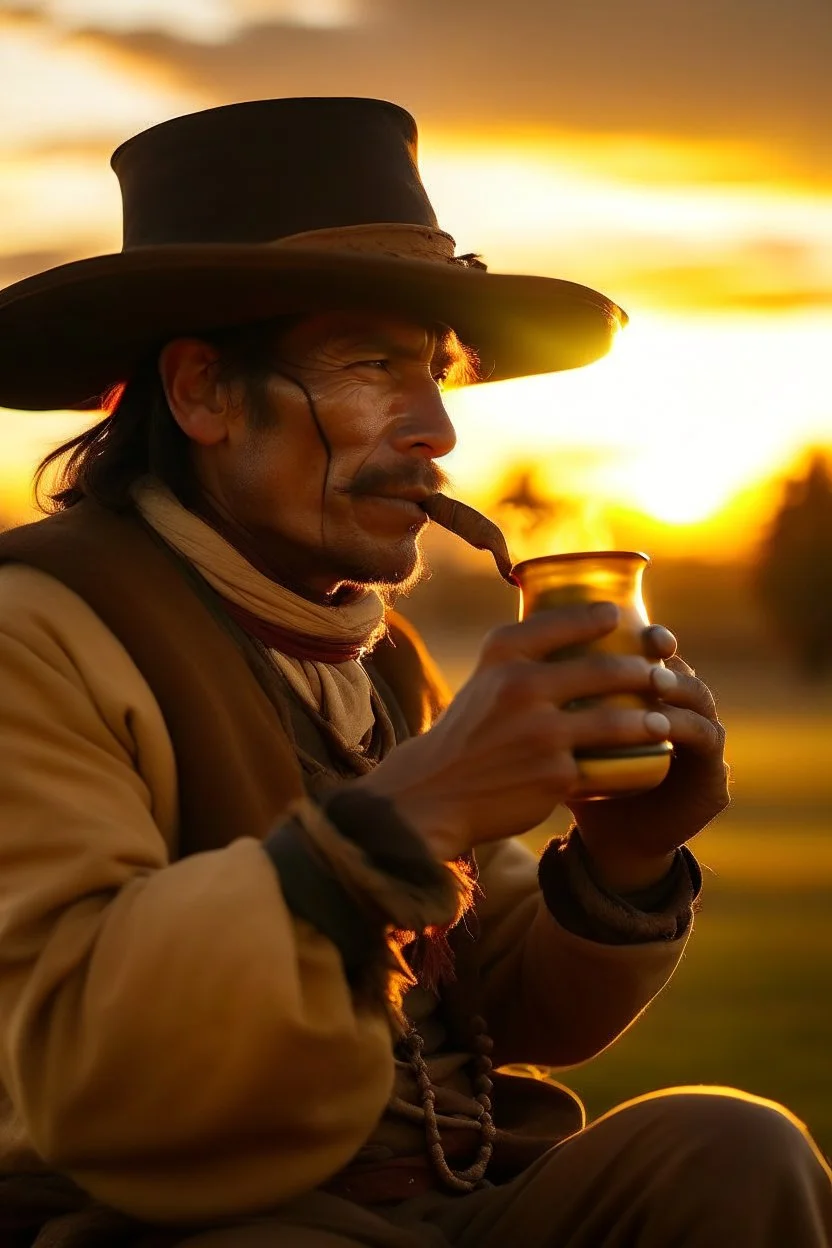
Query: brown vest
x=236, y=764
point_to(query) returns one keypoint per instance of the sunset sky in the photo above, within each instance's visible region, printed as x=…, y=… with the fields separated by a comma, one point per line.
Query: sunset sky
x=677, y=156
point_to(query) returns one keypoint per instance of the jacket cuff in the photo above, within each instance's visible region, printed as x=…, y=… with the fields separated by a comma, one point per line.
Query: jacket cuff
x=581, y=905
x=359, y=875
x=313, y=893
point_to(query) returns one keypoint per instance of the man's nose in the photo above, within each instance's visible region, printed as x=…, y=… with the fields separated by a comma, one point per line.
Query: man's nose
x=426, y=430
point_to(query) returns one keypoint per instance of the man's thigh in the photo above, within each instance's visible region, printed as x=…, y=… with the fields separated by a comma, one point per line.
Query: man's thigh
x=689, y=1166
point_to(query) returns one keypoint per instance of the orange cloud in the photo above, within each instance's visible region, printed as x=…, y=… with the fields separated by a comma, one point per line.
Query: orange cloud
x=750, y=73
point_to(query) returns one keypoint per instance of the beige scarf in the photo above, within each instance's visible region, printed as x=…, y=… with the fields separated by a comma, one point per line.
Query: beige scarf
x=340, y=692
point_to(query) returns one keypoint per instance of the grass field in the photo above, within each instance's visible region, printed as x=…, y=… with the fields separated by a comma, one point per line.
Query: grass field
x=751, y=1004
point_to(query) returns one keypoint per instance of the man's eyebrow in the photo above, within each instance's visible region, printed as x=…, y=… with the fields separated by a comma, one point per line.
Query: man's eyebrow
x=381, y=342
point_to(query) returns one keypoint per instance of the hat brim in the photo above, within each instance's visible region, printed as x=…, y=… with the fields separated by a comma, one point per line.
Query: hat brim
x=69, y=334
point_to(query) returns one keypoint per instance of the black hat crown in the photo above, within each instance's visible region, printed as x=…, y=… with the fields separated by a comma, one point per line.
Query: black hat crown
x=267, y=169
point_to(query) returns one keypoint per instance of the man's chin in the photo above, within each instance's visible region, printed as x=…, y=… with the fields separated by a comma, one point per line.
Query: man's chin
x=394, y=574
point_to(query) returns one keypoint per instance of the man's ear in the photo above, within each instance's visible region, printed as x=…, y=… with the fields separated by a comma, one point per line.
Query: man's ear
x=200, y=403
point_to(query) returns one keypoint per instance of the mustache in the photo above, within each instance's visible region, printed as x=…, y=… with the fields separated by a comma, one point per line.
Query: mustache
x=421, y=474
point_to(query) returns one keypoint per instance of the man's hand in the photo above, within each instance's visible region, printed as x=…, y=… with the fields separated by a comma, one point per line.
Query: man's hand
x=501, y=757
x=631, y=839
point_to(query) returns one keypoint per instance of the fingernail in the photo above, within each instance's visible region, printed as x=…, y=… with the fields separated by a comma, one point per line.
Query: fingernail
x=605, y=612
x=657, y=724
x=663, y=679
x=659, y=631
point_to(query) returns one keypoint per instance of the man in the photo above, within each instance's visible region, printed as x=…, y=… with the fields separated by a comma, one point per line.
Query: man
x=265, y=935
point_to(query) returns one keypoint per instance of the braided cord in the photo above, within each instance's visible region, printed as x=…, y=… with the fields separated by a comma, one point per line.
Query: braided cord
x=466, y=1180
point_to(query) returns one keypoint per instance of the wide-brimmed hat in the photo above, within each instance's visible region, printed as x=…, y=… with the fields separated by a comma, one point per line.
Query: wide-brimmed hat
x=254, y=210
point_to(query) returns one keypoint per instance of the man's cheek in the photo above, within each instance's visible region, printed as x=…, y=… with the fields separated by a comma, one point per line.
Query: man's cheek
x=334, y=394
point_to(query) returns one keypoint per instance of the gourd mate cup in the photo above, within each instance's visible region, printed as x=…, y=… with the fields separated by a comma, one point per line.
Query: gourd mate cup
x=600, y=576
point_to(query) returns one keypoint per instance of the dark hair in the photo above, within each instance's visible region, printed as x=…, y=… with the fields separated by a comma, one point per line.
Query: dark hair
x=138, y=435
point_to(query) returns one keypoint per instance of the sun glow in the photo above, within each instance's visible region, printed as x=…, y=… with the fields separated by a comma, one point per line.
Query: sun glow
x=680, y=422
x=668, y=231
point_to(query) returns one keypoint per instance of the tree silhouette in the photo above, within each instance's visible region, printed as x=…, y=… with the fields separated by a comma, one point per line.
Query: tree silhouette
x=794, y=573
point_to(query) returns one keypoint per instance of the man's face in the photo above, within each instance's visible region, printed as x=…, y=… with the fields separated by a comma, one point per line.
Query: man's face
x=351, y=516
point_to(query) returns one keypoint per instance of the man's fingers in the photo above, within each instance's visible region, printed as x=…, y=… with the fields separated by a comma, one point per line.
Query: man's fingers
x=547, y=631
x=677, y=664
x=611, y=726
x=659, y=642
x=589, y=676
x=592, y=676
x=691, y=731
x=678, y=686
x=601, y=727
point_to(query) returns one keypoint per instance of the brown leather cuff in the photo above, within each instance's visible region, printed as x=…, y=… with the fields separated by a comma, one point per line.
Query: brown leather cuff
x=583, y=907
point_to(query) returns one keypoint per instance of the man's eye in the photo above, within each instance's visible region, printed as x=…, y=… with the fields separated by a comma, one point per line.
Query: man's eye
x=379, y=365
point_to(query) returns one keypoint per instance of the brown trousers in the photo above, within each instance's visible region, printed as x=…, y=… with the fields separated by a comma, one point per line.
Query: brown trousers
x=686, y=1168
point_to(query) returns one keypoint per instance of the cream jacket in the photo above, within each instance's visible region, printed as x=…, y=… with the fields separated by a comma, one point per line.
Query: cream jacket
x=171, y=1037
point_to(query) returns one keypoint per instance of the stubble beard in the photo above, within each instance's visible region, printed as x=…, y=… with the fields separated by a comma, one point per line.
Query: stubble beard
x=391, y=577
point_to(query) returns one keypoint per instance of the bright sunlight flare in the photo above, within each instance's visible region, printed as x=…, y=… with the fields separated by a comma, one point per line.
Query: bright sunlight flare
x=684, y=417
